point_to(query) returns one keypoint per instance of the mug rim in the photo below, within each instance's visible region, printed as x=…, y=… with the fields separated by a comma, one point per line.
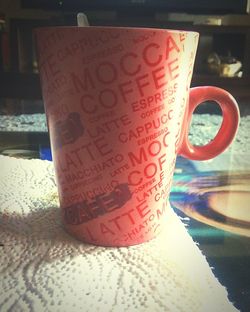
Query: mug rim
x=123, y=28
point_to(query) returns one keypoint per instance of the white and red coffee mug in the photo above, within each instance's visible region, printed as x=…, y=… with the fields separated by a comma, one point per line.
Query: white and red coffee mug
x=119, y=107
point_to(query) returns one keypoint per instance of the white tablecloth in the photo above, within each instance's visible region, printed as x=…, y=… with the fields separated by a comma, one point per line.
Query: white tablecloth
x=42, y=268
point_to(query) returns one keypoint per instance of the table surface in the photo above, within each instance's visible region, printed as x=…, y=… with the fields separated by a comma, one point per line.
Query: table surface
x=212, y=199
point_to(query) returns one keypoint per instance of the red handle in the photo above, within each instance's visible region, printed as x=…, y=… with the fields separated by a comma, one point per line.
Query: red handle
x=227, y=131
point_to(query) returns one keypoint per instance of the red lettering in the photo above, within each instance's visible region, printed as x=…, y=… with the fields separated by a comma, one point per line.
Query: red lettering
x=87, y=104
x=147, y=56
x=158, y=74
x=108, y=98
x=127, y=65
x=142, y=209
x=131, y=179
x=106, y=72
x=142, y=84
x=84, y=84
x=173, y=67
x=102, y=146
x=170, y=46
x=105, y=230
x=125, y=88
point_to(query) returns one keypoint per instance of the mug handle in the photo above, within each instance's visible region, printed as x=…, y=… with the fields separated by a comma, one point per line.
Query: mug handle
x=227, y=131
